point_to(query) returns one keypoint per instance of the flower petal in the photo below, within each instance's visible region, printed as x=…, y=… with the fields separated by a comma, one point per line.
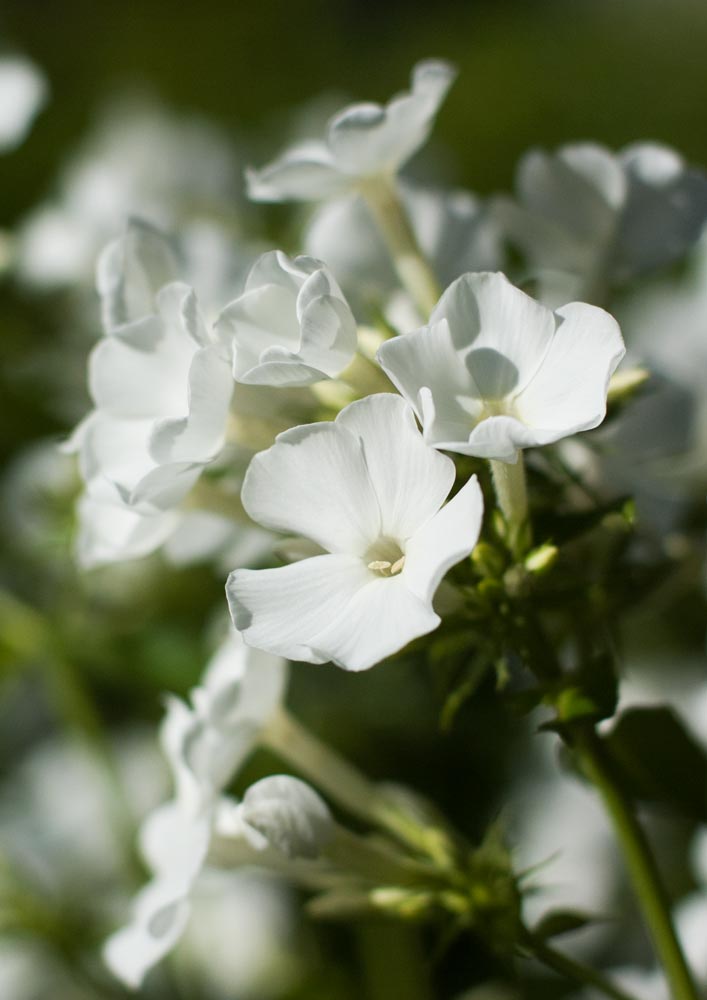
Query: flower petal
x=305, y=172
x=502, y=334
x=283, y=610
x=443, y=541
x=410, y=478
x=568, y=393
x=380, y=619
x=314, y=482
x=130, y=272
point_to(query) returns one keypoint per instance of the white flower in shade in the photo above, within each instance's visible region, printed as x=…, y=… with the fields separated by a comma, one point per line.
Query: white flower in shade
x=454, y=230
x=588, y=219
x=23, y=92
x=286, y=814
x=291, y=326
x=162, y=387
x=205, y=743
x=368, y=491
x=362, y=141
x=495, y=371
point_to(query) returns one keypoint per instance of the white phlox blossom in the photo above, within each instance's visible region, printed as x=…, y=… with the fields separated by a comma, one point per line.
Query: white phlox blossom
x=367, y=490
x=283, y=814
x=142, y=160
x=495, y=371
x=362, y=141
x=23, y=93
x=291, y=326
x=205, y=743
x=161, y=385
x=587, y=218
x=454, y=230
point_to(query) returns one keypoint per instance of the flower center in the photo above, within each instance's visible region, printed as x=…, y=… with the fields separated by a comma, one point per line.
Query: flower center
x=385, y=557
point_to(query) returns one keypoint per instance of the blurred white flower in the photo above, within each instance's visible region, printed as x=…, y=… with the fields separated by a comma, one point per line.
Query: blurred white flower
x=588, y=219
x=368, y=491
x=205, y=743
x=495, y=371
x=140, y=160
x=162, y=387
x=363, y=141
x=23, y=93
x=453, y=229
x=241, y=939
x=285, y=814
x=291, y=326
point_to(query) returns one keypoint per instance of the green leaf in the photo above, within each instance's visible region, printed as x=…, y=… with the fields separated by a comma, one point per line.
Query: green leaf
x=659, y=761
x=558, y=922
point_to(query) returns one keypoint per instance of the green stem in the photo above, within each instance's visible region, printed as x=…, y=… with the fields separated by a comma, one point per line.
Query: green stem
x=512, y=496
x=348, y=787
x=568, y=967
x=390, y=216
x=640, y=862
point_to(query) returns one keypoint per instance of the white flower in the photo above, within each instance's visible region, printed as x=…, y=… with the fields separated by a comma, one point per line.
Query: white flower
x=291, y=326
x=362, y=141
x=139, y=160
x=205, y=744
x=587, y=218
x=286, y=815
x=162, y=387
x=23, y=92
x=207, y=741
x=495, y=371
x=367, y=490
x=453, y=228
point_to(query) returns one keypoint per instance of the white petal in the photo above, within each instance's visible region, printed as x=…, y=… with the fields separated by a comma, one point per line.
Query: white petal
x=198, y=436
x=666, y=209
x=367, y=139
x=110, y=533
x=314, y=482
x=443, y=541
x=130, y=272
x=161, y=913
x=410, y=479
x=174, y=843
x=503, y=333
x=289, y=815
x=380, y=619
x=305, y=172
x=284, y=610
x=568, y=393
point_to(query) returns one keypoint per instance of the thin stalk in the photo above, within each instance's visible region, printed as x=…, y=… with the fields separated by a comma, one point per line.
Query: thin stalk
x=573, y=970
x=348, y=787
x=512, y=496
x=415, y=274
x=646, y=879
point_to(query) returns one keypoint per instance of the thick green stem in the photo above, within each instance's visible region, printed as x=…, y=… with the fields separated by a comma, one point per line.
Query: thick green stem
x=509, y=484
x=640, y=862
x=575, y=971
x=414, y=272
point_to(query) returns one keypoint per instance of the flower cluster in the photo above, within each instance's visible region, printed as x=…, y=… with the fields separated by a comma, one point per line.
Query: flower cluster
x=344, y=394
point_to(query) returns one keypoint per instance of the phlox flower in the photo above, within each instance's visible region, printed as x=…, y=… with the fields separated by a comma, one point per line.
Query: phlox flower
x=588, y=219
x=205, y=743
x=362, y=141
x=367, y=491
x=495, y=371
x=291, y=326
x=454, y=230
x=161, y=386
